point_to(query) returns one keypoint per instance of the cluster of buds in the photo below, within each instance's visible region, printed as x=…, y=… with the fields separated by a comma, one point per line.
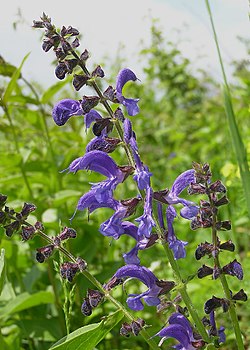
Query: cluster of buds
x=15, y=222
x=68, y=269
x=92, y=300
x=132, y=328
x=64, y=42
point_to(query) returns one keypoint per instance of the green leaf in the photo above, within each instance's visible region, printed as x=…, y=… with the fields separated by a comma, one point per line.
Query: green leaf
x=52, y=90
x=62, y=196
x=25, y=301
x=2, y=270
x=6, y=69
x=89, y=336
x=12, y=84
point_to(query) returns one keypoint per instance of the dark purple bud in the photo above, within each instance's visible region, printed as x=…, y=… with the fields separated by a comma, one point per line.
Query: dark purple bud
x=125, y=329
x=204, y=271
x=27, y=232
x=198, y=344
x=152, y=239
x=217, y=187
x=89, y=102
x=223, y=225
x=100, y=125
x=3, y=199
x=203, y=249
x=68, y=270
x=38, y=24
x=71, y=64
x=47, y=44
x=112, y=283
x=161, y=196
x=131, y=203
x=39, y=226
x=137, y=326
x=166, y=286
x=75, y=43
x=228, y=245
x=195, y=224
x=61, y=70
x=86, y=307
x=118, y=114
x=60, y=54
x=109, y=94
x=66, y=233
x=196, y=188
x=12, y=228
x=72, y=31
x=44, y=253
x=81, y=264
x=27, y=209
x=106, y=144
x=79, y=81
x=241, y=295
x=233, y=269
x=202, y=172
x=214, y=303
x=222, y=201
x=84, y=56
x=98, y=72
x=95, y=297
x=3, y=218
x=66, y=46
x=63, y=31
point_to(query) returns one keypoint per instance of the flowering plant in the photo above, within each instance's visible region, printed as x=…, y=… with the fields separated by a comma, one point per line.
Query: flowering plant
x=109, y=115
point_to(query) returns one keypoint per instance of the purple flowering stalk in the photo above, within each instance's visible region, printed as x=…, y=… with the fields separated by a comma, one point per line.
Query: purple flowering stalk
x=207, y=217
x=101, y=194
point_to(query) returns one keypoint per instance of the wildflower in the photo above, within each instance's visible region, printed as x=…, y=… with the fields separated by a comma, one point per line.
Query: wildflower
x=123, y=77
x=180, y=329
x=146, y=222
x=233, y=269
x=68, y=270
x=176, y=245
x=65, y=109
x=150, y=296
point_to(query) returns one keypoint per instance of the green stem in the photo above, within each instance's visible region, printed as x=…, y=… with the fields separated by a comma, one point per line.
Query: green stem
x=25, y=178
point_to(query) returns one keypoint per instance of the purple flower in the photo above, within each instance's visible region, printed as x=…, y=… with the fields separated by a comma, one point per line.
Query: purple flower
x=146, y=222
x=177, y=246
x=214, y=331
x=123, y=77
x=190, y=210
x=150, y=296
x=142, y=243
x=65, y=109
x=180, y=329
x=91, y=117
x=142, y=174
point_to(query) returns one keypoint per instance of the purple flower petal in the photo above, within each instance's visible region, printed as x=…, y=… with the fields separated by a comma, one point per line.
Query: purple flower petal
x=65, y=109
x=146, y=222
x=123, y=77
x=181, y=182
x=189, y=212
x=91, y=117
x=179, y=333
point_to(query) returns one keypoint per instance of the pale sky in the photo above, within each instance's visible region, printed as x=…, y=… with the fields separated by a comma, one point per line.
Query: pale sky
x=107, y=24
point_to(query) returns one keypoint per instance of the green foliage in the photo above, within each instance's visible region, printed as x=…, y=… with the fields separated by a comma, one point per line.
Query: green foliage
x=181, y=120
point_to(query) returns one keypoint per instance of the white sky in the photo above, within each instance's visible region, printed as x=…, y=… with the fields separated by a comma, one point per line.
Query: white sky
x=107, y=24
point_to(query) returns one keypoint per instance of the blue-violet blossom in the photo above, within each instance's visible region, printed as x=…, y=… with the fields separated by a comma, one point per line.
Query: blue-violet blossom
x=150, y=296
x=123, y=77
x=65, y=109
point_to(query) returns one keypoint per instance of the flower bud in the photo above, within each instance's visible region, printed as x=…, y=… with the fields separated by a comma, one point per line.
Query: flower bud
x=241, y=295
x=125, y=329
x=166, y=286
x=85, y=55
x=72, y=31
x=196, y=188
x=71, y=64
x=214, y=303
x=60, y=54
x=27, y=232
x=81, y=264
x=109, y=94
x=113, y=282
x=67, y=233
x=222, y=201
x=12, y=228
x=137, y=325
x=75, y=43
x=100, y=125
x=217, y=187
x=39, y=226
x=223, y=225
x=204, y=271
x=95, y=297
x=44, y=253
x=27, y=209
x=98, y=72
x=118, y=114
x=89, y=102
x=47, y=44
x=228, y=245
x=66, y=46
x=233, y=269
x=3, y=199
x=61, y=70
x=79, y=81
x=68, y=270
x=86, y=307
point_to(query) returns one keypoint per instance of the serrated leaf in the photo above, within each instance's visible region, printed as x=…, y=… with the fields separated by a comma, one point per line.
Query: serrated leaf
x=2, y=270
x=25, y=301
x=12, y=83
x=89, y=336
x=52, y=90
